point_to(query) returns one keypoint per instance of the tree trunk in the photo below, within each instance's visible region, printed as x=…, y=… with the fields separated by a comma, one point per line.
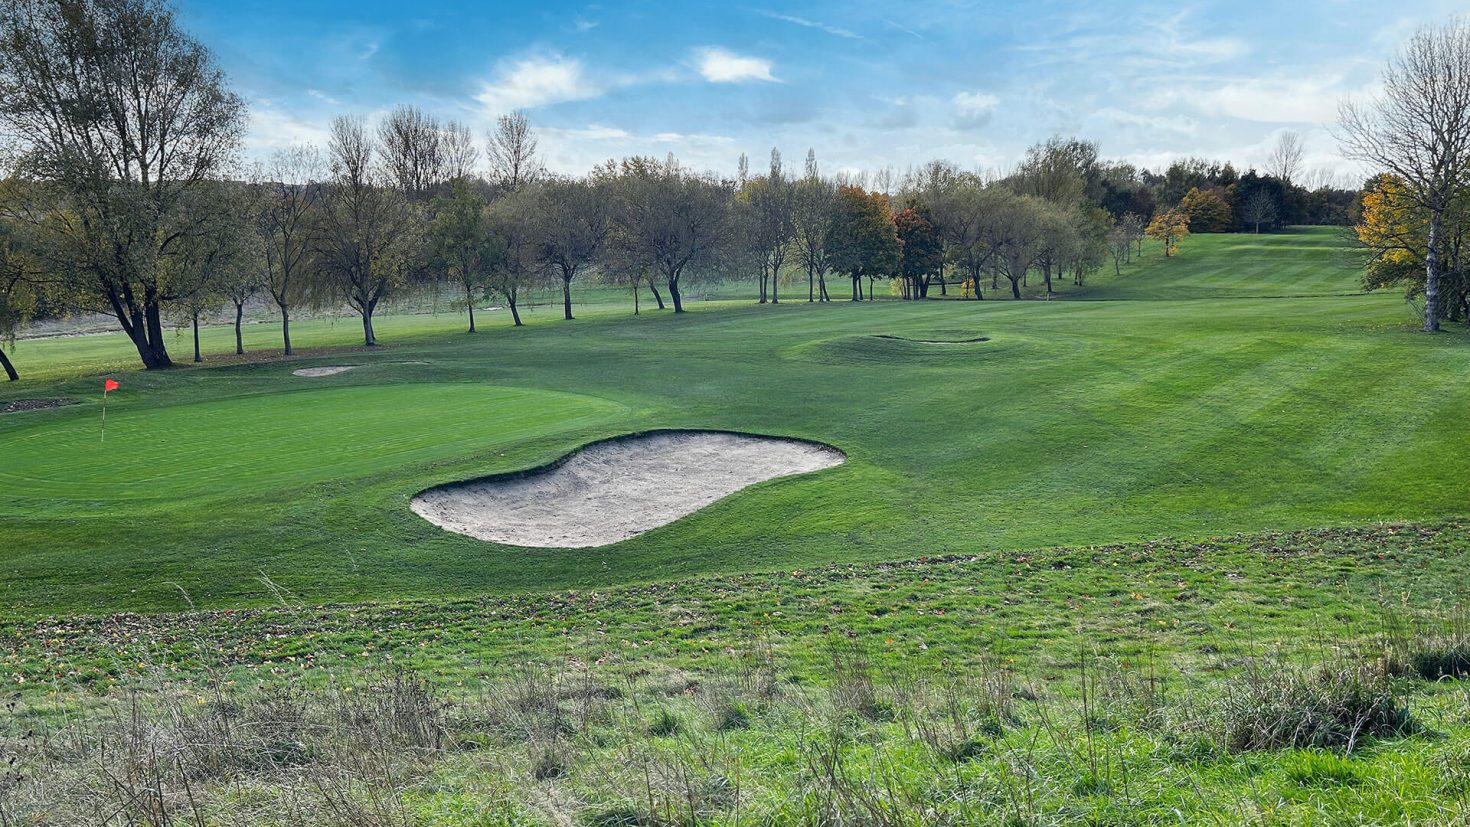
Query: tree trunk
x=148, y=339
x=1046, y=270
x=514, y=313
x=285, y=326
x=822, y=294
x=469, y=303
x=10, y=373
x=657, y=296
x=369, y=339
x=775, y=289
x=1431, y=273
x=198, y=357
x=763, y=286
x=674, y=294
x=239, y=334
x=811, y=286
x=943, y=291
x=566, y=295
x=1015, y=287
x=635, y=298
x=857, y=290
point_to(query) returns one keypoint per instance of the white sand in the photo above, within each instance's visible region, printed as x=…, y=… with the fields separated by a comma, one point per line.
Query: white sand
x=614, y=490
x=329, y=370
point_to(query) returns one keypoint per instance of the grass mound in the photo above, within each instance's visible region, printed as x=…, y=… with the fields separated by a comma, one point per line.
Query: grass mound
x=908, y=350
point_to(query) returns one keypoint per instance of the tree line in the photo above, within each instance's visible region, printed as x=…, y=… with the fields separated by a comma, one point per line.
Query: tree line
x=126, y=197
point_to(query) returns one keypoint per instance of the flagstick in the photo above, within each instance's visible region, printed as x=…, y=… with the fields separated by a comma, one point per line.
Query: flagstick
x=104, y=414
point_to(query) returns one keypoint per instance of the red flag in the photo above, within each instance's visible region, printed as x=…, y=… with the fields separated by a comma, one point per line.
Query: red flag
x=109, y=385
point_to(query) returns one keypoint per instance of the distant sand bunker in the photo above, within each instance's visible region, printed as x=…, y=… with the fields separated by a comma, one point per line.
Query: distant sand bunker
x=610, y=491
x=329, y=370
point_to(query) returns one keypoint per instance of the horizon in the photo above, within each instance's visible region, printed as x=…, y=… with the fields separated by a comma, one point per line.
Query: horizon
x=864, y=89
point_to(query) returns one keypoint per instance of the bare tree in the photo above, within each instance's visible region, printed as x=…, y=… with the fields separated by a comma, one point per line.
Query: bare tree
x=511, y=151
x=1258, y=208
x=1285, y=160
x=365, y=228
x=411, y=144
x=457, y=146
x=289, y=191
x=1418, y=130
x=120, y=115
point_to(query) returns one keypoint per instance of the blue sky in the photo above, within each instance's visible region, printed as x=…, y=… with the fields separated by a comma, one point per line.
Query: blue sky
x=866, y=84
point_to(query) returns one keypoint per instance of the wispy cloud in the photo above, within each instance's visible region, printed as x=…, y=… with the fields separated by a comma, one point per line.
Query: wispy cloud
x=535, y=81
x=813, y=24
x=973, y=109
x=902, y=28
x=723, y=66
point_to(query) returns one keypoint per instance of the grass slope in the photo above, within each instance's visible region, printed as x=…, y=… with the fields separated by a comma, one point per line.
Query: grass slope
x=1078, y=685
x=1302, y=261
x=1078, y=422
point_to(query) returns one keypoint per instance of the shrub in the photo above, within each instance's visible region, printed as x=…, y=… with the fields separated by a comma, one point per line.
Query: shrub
x=1271, y=704
x=1433, y=647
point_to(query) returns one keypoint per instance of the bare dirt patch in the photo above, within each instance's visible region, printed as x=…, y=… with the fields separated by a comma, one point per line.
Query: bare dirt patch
x=617, y=489
x=328, y=370
x=19, y=405
x=965, y=341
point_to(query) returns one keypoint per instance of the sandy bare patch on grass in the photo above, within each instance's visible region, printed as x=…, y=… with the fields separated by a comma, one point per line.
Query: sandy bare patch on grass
x=33, y=405
x=329, y=370
x=617, y=489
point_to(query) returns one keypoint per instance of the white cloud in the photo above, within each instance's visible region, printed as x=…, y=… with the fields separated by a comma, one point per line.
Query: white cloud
x=1304, y=100
x=722, y=66
x=537, y=81
x=272, y=129
x=974, y=109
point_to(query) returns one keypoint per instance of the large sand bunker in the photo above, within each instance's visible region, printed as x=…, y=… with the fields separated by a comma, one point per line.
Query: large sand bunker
x=616, y=489
x=316, y=373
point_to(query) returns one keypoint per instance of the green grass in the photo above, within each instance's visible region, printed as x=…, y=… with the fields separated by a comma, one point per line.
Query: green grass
x=648, y=699
x=1302, y=261
x=1029, y=511
x=1078, y=422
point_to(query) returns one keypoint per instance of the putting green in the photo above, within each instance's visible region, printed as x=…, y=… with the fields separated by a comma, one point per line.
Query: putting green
x=245, y=445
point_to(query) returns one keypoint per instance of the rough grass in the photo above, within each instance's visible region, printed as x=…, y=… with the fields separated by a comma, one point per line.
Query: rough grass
x=802, y=724
x=1078, y=423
